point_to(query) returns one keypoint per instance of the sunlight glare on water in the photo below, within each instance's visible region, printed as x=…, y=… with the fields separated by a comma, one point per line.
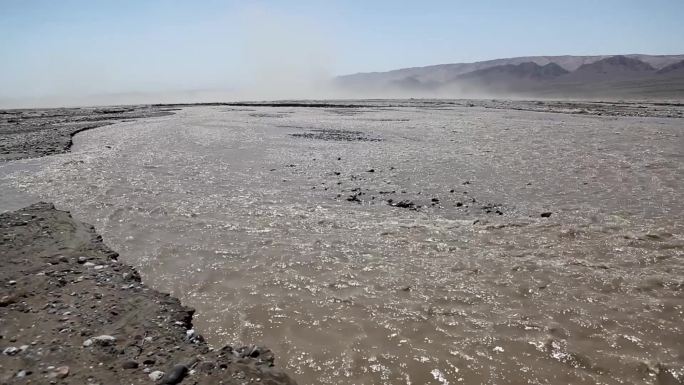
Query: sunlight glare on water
x=401, y=245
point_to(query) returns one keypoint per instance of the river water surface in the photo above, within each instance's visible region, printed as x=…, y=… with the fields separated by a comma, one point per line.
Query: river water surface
x=400, y=245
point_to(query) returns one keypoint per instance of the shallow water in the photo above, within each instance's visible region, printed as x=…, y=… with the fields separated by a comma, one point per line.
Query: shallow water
x=266, y=235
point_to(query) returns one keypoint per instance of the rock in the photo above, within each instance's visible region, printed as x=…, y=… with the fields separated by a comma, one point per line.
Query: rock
x=156, y=375
x=82, y=260
x=22, y=374
x=252, y=351
x=129, y=364
x=546, y=214
x=175, y=375
x=263, y=355
x=60, y=372
x=103, y=340
x=10, y=351
x=405, y=204
x=12, y=283
x=149, y=361
x=7, y=300
x=189, y=334
x=88, y=264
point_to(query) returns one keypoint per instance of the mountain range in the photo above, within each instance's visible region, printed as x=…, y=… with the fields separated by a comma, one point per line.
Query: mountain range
x=621, y=76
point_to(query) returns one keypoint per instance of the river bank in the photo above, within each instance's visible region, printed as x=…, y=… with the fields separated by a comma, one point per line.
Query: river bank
x=71, y=313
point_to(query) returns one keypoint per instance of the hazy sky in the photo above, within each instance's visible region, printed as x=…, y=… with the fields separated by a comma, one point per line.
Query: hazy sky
x=83, y=47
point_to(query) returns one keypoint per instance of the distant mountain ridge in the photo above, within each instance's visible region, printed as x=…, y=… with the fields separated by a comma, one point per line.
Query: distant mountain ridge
x=678, y=66
x=553, y=76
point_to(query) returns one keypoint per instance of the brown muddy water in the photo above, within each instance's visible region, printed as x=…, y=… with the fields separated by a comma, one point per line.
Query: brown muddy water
x=400, y=245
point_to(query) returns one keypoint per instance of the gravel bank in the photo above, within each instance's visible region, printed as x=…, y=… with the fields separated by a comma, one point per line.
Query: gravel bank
x=71, y=313
x=40, y=132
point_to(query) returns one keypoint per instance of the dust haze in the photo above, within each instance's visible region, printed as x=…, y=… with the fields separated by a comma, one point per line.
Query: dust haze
x=274, y=56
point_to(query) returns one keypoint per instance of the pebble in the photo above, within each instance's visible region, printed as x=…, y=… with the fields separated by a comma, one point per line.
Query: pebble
x=12, y=282
x=88, y=264
x=156, y=375
x=10, y=351
x=103, y=340
x=546, y=214
x=6, y=300
x=60, y=372
x=22, y=374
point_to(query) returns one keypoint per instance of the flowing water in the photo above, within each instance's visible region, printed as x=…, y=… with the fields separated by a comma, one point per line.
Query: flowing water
x=400, y=245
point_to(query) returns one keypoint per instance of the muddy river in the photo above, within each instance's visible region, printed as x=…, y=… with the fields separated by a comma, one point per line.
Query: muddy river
x=399, y=245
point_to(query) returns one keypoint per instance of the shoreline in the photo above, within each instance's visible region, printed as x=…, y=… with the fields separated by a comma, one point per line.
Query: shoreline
x=34, y=133
x=70, y=312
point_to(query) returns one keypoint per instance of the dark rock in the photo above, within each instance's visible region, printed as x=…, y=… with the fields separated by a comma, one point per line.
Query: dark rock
x=546, y=214
x=175, y=375
x=405, y=204
x=129, y=365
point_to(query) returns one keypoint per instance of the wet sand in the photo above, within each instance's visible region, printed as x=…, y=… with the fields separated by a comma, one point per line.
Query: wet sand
x=403, y=242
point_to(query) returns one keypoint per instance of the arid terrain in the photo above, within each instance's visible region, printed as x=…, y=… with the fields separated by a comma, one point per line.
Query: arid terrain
x=385, y=241
x=71, y=313
x=613, y=77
